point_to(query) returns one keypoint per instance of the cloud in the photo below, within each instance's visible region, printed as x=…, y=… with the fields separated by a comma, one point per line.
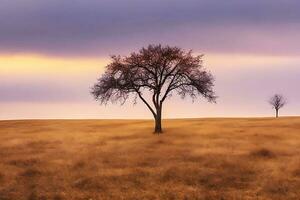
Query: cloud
x=43, y=91
x=93, y=27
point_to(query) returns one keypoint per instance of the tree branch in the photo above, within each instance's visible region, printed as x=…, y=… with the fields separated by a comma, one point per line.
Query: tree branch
x=147, y=104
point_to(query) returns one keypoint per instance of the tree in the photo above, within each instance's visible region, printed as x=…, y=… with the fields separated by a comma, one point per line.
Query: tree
x=277, y=102
x=155, y=72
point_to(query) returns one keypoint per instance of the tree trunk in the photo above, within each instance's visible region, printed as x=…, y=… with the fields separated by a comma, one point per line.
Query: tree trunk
x=158, y=128
x=276, y=113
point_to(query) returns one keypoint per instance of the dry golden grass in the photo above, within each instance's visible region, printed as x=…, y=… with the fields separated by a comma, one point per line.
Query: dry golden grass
x=200, y=159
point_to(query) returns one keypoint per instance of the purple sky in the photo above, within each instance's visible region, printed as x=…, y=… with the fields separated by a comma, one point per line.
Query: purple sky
x=52, y=51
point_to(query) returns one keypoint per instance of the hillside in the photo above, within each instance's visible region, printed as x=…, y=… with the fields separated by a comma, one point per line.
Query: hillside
x=256, y=158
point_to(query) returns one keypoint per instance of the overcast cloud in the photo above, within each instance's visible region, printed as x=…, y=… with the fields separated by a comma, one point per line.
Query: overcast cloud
x=93, y=27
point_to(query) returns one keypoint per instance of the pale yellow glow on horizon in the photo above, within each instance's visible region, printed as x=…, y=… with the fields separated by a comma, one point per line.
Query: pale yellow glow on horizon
x=37, y=65
x=248, y=61
x=30, y=65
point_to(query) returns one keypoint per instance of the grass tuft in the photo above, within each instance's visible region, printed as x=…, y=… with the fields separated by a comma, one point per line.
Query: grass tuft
x=263, y=153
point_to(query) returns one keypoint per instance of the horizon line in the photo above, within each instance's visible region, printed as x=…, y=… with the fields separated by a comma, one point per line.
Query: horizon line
x=131, y=119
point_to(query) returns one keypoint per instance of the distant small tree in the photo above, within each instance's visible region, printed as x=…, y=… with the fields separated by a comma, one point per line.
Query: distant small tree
x=277, y=101
x=158, y=71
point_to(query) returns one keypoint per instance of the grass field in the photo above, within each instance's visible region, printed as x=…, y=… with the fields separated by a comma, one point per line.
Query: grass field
x=213, y=159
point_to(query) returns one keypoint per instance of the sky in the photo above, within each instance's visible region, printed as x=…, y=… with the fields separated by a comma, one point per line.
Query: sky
x=52, y=52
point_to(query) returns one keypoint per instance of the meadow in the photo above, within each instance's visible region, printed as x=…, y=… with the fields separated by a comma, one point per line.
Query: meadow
x=203, y=159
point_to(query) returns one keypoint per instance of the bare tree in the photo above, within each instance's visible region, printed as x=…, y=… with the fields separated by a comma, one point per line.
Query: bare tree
x=277, y=101
x=155, y=72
